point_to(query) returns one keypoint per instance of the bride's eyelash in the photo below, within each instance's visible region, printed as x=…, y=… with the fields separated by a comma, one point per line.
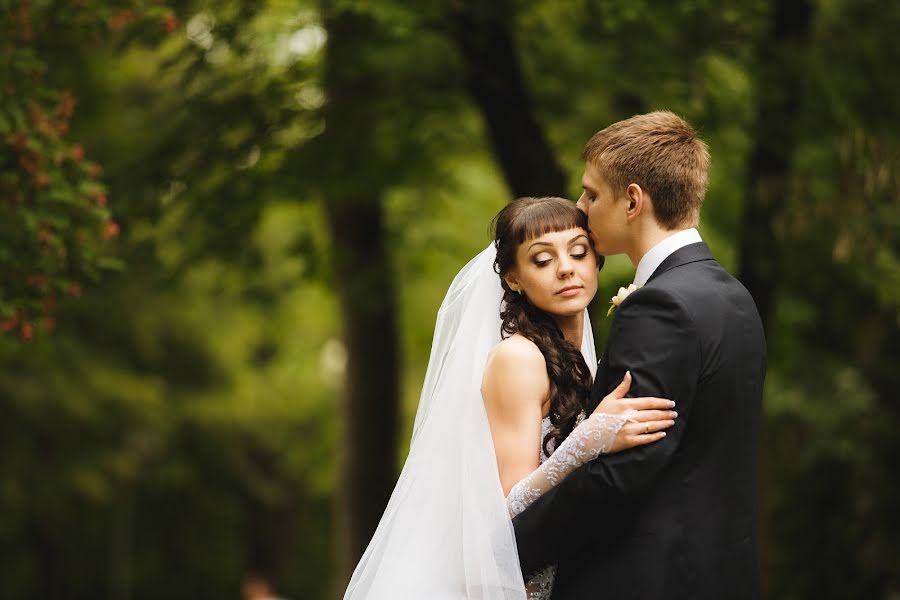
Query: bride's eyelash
x=544, y=263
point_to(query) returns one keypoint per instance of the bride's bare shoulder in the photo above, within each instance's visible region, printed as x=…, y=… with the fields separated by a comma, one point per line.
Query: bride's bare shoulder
x=516, y=349
x=516, y=367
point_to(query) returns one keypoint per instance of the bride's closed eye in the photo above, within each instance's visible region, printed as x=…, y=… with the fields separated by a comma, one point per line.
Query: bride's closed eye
x=580, y=251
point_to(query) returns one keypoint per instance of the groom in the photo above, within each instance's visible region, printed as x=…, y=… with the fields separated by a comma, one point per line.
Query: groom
x=674, y=519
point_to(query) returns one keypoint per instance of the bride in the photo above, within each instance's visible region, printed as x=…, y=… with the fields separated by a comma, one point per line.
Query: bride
x=501, y=418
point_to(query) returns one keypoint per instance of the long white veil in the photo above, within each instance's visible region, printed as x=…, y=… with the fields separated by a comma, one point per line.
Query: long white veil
x=446, y=533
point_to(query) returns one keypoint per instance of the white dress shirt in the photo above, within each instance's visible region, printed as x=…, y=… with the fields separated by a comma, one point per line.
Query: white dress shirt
x=661, y=251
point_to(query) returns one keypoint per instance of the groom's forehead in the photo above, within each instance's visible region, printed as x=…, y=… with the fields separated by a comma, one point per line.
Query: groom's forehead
x=591, y=178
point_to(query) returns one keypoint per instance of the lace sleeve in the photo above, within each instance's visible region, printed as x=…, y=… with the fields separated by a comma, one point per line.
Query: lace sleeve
x=593, y=437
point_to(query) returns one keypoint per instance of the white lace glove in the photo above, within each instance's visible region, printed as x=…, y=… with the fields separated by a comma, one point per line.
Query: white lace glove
x=593, y=437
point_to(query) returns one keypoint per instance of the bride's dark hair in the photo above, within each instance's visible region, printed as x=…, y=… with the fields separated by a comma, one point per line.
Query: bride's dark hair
x=570, y=379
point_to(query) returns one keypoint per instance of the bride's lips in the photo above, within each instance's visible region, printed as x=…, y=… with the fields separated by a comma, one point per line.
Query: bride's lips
x=570, y=290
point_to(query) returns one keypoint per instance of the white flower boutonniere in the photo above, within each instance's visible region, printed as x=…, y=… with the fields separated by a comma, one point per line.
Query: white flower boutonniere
x=619, y=298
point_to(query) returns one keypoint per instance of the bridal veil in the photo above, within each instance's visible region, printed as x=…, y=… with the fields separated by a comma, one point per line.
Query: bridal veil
x=446, y=533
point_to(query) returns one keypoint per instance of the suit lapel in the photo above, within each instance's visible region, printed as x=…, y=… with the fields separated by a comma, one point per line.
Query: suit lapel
x=688, y=254
x=598, y=390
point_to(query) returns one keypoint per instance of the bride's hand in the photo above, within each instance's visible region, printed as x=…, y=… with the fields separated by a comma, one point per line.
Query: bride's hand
x=647, y=418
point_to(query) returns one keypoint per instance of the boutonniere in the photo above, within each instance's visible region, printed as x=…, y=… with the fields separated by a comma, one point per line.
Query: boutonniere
x=619, y=298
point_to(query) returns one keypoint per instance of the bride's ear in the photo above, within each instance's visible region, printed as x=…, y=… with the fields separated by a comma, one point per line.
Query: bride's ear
x=513, y=282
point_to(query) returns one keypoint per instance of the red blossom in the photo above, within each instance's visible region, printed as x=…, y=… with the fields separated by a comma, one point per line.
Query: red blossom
x=27, y=332
x=41, y=180
x=12, y=322
x=50, y=302
x=73, y=290
x=30, y=163
x=121, y=19
x=37, y=280
x=24, y=19
x=100, y=199
x=94, y=170
x=66, y=107
x=110, y=230
x=19, y=141
x=78, y=153
x=170, y=23
x=48, y=323
x=43, y=124
x=45, y=234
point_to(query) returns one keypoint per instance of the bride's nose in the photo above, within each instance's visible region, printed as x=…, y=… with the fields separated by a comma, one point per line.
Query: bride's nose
x=566, y=266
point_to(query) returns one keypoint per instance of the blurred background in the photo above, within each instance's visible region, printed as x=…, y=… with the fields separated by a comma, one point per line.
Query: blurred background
x=226, y=228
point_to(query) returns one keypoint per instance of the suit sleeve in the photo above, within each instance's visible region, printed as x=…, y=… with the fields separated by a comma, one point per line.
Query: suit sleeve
x=653, y=336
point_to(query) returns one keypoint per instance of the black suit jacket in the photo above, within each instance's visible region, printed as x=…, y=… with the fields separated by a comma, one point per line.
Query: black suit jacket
x=675, y=519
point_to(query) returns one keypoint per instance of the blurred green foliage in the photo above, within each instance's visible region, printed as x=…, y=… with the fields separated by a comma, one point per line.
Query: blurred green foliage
x=54, y=214
x=179, y=428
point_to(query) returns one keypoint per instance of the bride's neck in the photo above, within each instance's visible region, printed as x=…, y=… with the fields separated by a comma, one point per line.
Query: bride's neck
x=572, y=328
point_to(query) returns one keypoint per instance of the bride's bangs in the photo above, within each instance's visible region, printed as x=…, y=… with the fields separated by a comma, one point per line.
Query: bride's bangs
x=548, y=215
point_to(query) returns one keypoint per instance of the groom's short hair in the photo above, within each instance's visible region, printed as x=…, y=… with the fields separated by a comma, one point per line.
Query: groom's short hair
x=660, y=152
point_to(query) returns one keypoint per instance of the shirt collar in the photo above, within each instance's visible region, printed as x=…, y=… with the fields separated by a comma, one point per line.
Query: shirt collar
x=661, y=251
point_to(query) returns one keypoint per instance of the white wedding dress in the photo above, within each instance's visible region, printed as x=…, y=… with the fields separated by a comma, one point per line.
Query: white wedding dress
x=447, y=532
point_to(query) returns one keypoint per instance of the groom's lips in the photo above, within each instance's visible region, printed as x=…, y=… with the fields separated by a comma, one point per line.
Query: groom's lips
x=570, y=290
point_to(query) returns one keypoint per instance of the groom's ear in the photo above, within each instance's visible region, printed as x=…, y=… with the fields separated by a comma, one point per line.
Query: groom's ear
x=637, y=200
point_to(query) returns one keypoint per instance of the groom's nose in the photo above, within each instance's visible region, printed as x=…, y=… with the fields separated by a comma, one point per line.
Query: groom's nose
x=582, y=204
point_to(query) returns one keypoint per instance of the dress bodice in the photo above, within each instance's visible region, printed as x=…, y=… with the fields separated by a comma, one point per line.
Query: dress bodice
x=540, y=585
x=546, y=426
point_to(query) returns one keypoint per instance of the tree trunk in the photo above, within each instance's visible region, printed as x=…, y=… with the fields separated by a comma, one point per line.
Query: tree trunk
x=779, y=89
x=46, y=546
x=779, y=85
x=364, y=283
x=370, y=408
x=495, y=81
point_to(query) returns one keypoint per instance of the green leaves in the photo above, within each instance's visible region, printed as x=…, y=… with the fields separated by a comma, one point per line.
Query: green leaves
x=55, y=225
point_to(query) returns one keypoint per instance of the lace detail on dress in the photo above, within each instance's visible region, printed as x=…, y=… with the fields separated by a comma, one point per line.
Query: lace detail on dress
x=540, y=585
x=592, y=437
